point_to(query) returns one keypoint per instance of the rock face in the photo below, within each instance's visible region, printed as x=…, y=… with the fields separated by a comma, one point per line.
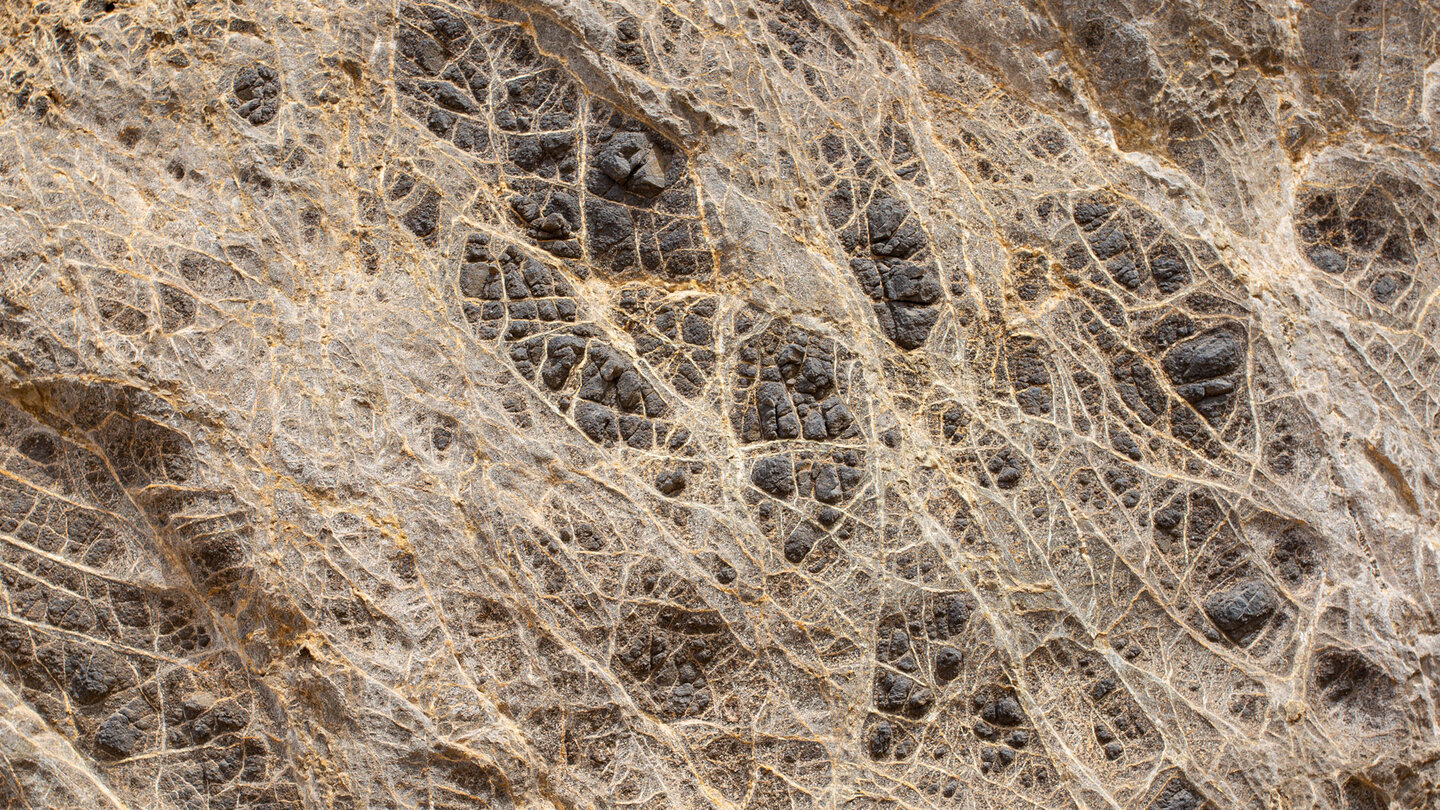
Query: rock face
x=617, y=403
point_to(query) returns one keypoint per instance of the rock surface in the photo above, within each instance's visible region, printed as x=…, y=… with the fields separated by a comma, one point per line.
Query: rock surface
x=612, y=403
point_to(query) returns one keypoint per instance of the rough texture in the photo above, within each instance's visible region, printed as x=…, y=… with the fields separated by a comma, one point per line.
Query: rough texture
x=610, y=403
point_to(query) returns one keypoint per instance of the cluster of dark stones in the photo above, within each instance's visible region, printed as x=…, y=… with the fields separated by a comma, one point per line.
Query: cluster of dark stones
x=918, y=656
x=532, y=309
x=889, y=253
x=670, y=656
x=506, y=292
x=789, y=385
x=256, y=94
x=1139, y=302
x=1132, y=247
x=1366, y=232
x=675, y=336
x=492, y=93
x=1000, y=727
x=987, y=457
x=831, y=479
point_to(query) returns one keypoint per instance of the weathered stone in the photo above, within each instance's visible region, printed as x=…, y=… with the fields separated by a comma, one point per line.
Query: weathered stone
x=767, y=404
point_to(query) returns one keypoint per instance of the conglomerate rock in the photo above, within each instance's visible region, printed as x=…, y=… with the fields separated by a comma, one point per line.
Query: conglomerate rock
x=776, y=403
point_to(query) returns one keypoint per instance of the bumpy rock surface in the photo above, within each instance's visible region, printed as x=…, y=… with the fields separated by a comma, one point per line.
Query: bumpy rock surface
x=769, y=404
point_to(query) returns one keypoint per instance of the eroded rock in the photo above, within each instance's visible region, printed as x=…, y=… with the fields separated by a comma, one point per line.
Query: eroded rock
x=780, y=405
